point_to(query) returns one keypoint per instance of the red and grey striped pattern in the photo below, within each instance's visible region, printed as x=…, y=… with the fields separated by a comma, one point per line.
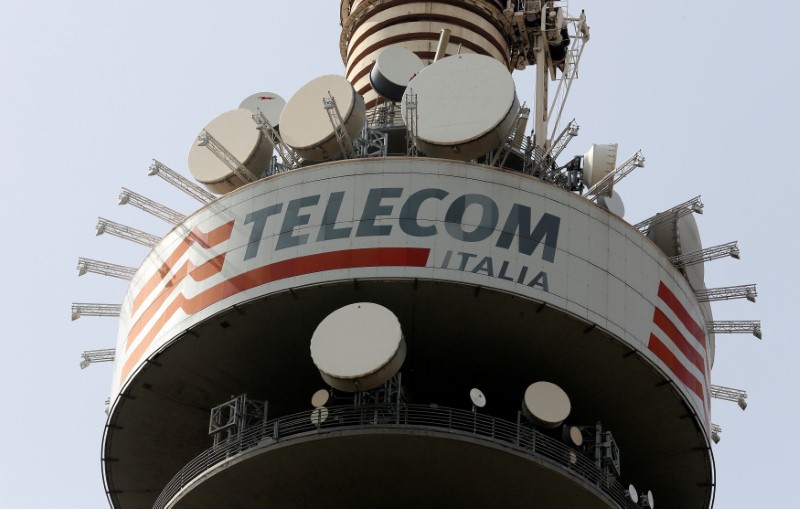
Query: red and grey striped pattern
x=681, y=344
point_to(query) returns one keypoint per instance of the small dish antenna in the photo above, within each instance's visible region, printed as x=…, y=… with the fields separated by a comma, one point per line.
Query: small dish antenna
x=572, y=435
x=632, y=494
x=612, y=203
x=320, y=398
x=319, y=415
x=477, y=397
x=650, y=502
x=268, y=103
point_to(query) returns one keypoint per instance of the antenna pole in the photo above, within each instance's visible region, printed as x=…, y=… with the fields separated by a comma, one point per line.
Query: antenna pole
x=542, y=74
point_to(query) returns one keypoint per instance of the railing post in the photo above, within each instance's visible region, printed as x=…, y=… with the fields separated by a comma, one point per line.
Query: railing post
x=275, y=430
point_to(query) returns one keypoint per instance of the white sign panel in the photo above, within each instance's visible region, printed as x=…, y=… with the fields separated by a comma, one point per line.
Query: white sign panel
x=425, y=219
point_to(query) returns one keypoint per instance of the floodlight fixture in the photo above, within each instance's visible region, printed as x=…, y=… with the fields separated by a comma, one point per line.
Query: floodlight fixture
x=730, y=394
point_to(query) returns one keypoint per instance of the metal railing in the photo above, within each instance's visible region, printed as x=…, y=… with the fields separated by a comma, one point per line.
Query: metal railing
x=518, y=437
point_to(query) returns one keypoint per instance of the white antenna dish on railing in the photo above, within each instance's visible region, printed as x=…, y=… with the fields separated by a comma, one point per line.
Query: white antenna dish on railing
x=477, y=398
x=234, y=131
x=572, y=435
x=651, y=503
x=270, y=104
x=394, y=68
x=358, y=347
x=632, y=494
x=320, y=398
x=467, y=106
x=546, y=405
x=305, y=125
x=319, y=415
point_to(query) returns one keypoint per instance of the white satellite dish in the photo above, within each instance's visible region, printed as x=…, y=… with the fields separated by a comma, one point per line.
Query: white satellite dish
x=319, y=415
x=358, y=347
x=612, y=204
x=268, y=103
x=572, y=435
x=477, y=397
x=599, y=161
x=632, y=494
x=466, y=106
x=236, y=131
x=677, y=237
x=306, y=126
x=546, y=404
x=651, y=503
x=393, y=69
x=320, y=398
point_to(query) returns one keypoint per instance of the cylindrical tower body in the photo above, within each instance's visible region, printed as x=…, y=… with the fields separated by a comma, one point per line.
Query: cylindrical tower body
x=369, y=27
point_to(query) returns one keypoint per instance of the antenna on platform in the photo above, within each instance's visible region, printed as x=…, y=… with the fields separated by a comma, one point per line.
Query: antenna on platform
x=128, y=197
x=105, y=269
x=93, y=356
x=631, y=494
x=180, y=182
x=358, y=347
x=320, y=398
x=606, y=184
x=477, y=398
x=546, y=405
x=125, y=232
x=80, y=309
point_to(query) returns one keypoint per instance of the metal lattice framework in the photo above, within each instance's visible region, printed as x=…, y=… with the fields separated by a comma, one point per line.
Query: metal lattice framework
x=727, y=293
x=728, y=393
x=288, y=156
x=501, y=155
x=92, y=356
x=512, y=436
x=411, y=116
x=205, y=139
x=735, y=327
x=684, y=209
x=605, y=184
x=105, y=269
x=558, y=146
x=179, y=181
x=345, y=143
x=706, y=255
x=126, y=232
x=128, y=197
x=80, y=309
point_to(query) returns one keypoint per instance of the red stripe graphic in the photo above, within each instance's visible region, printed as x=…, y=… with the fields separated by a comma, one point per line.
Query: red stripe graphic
x=666, y=295
x=676, y=366
x=204, y=240
x=348, y=259
x=663, y=322
x=198, y=273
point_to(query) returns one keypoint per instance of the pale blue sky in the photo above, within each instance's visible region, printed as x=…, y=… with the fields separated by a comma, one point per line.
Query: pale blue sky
x=91, y=91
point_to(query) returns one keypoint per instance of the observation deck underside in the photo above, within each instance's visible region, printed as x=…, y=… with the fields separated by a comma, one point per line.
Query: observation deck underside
x=498, y=342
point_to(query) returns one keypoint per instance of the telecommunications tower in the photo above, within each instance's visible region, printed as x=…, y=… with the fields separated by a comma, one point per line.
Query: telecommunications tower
x=400, y=292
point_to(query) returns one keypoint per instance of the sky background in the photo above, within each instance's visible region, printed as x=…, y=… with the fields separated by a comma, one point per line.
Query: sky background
x=92, y=91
